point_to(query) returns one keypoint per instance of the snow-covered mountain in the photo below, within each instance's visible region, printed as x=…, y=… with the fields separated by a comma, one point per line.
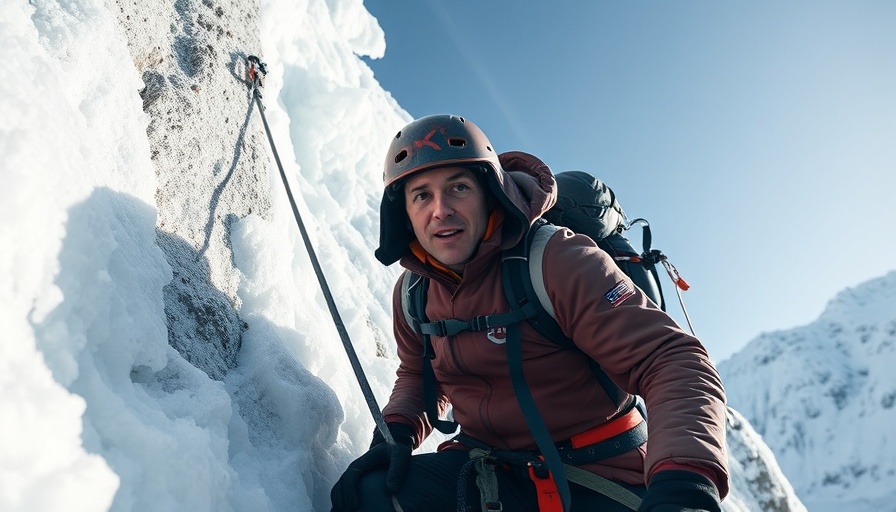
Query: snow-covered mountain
x=823, y=395
x=166, y=343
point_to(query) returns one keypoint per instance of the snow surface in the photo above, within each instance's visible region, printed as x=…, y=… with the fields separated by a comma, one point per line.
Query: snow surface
x=823, y=397
x=109, y=400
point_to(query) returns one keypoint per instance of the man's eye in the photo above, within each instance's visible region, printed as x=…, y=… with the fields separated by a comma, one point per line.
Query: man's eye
x=460, y=187
x=421, y=196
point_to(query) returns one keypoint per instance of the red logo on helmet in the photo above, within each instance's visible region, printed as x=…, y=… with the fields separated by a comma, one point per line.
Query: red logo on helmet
x=427, y=142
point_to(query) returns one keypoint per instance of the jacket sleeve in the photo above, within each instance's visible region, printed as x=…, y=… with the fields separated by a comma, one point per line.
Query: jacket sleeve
x=645, y=352
x=406, y=402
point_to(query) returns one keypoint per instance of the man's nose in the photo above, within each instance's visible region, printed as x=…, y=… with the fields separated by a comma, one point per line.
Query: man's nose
x=442, y=206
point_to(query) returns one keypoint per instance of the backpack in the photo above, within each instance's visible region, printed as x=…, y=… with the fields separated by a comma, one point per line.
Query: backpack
x=586, y=206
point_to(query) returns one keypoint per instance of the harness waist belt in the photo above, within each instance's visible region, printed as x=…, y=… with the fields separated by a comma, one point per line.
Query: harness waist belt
x=610, y=439
x=605, y=431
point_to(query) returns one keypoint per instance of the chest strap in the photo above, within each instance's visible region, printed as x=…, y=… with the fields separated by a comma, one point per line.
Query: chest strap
x=453, y=326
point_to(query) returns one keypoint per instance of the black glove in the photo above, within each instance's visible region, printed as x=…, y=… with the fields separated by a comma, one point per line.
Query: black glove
x=680, y=491
x=396, y=457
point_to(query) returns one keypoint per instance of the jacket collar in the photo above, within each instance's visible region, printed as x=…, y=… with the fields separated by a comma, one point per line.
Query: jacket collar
x=421, y=262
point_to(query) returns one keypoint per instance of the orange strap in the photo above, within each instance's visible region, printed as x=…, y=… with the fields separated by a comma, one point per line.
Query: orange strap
x=546, y=490
x=626, y=422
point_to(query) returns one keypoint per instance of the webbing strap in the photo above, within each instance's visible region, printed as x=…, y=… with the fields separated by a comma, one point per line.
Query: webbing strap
x=616, y=445
x=533, y=417
x=604, y=486
x=414, y=288
x=416, y=300
x=453, y=326
x=430, y=395
x=486, y=481
x=524, y=280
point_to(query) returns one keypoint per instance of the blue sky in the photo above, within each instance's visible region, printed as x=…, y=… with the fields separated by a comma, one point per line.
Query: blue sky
x=759, y=138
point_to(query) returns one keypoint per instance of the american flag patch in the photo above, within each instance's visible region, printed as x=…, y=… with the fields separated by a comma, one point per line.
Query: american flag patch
x=619, y=293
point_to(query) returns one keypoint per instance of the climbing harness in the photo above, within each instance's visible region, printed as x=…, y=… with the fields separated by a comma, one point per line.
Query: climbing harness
x=485, y=460
x=255, y=72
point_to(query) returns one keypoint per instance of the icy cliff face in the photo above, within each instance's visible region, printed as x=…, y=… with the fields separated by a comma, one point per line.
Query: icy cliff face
x=822, y=396
x=210, y=160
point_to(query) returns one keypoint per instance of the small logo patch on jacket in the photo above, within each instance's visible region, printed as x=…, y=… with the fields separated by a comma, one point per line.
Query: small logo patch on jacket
x=497, y=335
x=619, y=293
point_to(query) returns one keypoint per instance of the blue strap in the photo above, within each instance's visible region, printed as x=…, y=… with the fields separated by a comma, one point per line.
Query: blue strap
x=533, y=417
x=430, y=396
x=520, y=292
x=416, y=304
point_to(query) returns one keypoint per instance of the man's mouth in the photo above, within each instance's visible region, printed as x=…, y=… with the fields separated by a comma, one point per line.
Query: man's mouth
x=447, y=233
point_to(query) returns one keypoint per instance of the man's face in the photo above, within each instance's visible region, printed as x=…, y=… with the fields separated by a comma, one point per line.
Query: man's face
x=449, y=213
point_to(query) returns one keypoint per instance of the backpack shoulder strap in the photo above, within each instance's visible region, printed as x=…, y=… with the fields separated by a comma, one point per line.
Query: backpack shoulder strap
x=524, y=285
x=524, y=281
x=413, y=299
x=536, y=258
x=413, y=306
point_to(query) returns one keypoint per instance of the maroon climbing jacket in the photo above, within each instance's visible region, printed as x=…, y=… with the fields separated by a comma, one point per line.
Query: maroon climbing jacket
x=638, y=346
